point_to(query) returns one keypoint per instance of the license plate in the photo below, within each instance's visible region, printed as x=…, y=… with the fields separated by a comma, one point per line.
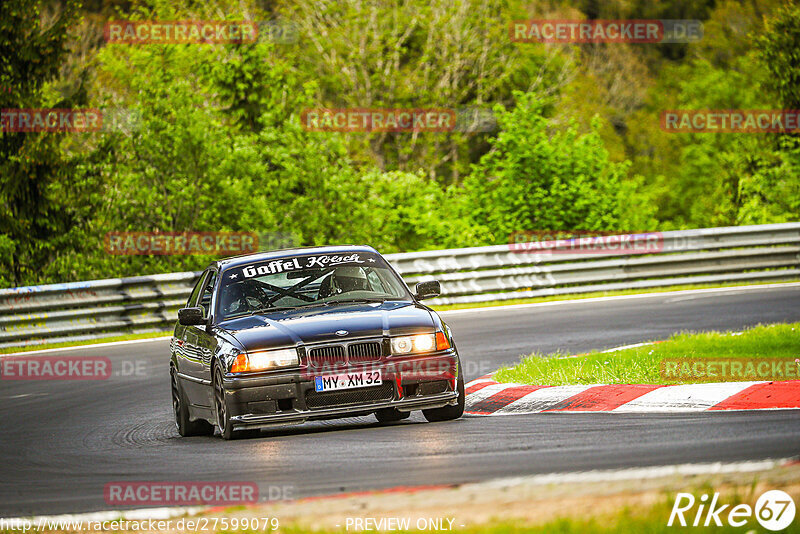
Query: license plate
x=347, y=381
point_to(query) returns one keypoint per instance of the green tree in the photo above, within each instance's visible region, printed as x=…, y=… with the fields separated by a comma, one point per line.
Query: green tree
x=219, y=146
x=538, y=177
x=713, y=179
x=778, y=47
x=420, y=54
x=33, y=43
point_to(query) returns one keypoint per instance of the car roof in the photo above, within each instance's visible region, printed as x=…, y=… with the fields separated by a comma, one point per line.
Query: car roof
x=246, y=259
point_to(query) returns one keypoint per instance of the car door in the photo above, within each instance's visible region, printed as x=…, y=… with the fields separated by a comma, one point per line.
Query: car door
x=196, y=384
x=205, y=342
x=183, y=334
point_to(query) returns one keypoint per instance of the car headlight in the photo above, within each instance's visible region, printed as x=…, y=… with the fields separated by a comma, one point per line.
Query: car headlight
x=419, y=343
x=265, y=360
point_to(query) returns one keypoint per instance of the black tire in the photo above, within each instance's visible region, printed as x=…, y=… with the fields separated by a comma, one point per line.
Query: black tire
x=390, y=415
x=448, y=413
x=223, y=414
x=186, y=427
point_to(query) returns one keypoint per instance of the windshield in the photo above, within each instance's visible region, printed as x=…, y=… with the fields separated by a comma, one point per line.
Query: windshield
x=311, y=280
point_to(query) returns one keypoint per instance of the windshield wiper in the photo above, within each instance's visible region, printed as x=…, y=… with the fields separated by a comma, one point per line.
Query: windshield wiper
x=271, y=309
x=300, y=307
x=356, y=300
x=313, y=305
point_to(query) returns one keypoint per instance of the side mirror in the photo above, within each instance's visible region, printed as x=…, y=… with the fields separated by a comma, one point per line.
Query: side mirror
x=191, y=316
x=426, y=290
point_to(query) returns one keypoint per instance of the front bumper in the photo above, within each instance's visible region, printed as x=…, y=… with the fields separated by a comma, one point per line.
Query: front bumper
x=283, y=398
x=448, y=398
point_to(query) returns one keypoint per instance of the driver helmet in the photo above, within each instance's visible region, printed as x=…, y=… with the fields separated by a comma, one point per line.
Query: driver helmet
x=351, y=279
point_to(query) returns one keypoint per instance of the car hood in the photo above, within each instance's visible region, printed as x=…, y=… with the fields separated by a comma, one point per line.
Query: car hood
x=319, y=324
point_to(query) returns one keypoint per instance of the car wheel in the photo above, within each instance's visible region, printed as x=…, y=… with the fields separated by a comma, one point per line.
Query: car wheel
x=185, y=426
x=390, y=415
x=223, y=414
x=221, y=410
x=448, y=413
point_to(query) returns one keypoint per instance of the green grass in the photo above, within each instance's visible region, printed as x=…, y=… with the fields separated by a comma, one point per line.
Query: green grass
x=643, y=365
x=620, y=292
x=126, y=337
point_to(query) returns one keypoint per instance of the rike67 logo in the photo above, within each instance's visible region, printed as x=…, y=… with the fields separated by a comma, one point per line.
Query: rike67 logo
x=774, y=510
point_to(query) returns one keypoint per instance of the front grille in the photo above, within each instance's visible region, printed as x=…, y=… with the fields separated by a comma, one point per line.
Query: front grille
x=331, y=352
x=328, y=399
x=326, y=358
x=364, y=352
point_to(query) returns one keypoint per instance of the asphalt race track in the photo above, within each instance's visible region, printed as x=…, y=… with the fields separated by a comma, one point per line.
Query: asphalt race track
x=62, y=441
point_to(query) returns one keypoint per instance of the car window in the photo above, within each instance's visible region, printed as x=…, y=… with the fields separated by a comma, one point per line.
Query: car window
x=374, y=279
x=297, y=281
x=196, y=291
x=208, y=293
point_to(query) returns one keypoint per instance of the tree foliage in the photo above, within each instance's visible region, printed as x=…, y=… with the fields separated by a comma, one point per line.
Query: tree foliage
x=538, y=178
x=210, y=136
x=33, y=44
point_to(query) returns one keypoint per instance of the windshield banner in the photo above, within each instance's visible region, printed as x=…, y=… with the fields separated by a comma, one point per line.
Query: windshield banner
x=318, y=261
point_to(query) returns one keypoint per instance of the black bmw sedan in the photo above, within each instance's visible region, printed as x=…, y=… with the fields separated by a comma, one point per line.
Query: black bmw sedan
x=316, y=333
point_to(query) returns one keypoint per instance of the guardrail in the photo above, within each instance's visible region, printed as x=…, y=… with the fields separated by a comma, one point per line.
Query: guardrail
x=101, y=308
